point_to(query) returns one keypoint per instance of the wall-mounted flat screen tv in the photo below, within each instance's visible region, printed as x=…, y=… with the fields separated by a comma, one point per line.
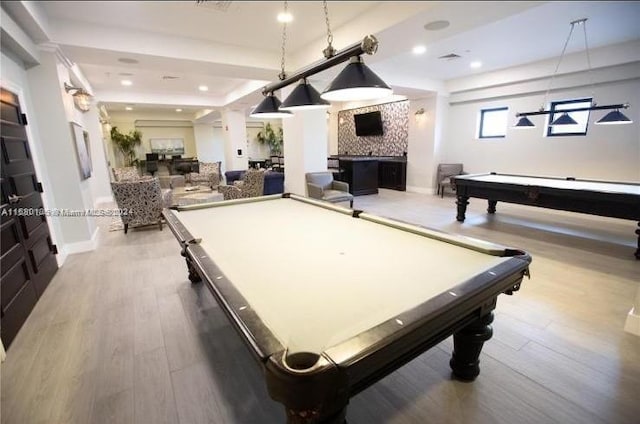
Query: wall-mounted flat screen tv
x=368, y=123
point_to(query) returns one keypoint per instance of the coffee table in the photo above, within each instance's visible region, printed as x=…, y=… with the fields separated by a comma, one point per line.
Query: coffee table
x=183, y=196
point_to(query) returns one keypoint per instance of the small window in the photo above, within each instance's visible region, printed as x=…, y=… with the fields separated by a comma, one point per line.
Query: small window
x=581, y=117
x=493, y=123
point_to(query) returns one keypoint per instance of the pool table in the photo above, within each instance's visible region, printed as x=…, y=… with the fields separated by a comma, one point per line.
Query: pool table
x=338, y=298
x=603, y=198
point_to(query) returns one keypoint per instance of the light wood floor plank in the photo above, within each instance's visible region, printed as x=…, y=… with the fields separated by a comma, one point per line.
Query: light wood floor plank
x=153, y=391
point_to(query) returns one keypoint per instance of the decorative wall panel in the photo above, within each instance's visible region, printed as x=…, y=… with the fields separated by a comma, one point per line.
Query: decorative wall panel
x=395, y=127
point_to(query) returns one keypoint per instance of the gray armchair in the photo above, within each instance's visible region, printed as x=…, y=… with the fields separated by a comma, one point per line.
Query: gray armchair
x=444, y=174
x=320, y=185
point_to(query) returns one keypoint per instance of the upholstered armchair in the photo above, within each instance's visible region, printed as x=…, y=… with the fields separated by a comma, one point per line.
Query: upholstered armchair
x=142, y=200
x=126, y=173
x=444, y=173
x=321, y=185
x=209, y=174
x=251, y=185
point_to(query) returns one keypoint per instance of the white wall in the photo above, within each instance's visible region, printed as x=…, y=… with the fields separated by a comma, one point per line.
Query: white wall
x=100, y=177
x=54, y=116
x=234, y=134
x=609, y=152
x=14, y=78
x=421, y=146
x=305, y=148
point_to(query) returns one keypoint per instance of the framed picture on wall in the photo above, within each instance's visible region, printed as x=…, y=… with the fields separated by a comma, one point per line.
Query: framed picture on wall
x=81, y=143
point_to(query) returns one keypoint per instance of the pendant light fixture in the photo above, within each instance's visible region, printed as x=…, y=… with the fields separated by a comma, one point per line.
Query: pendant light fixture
x=614, y=117
x=355, y=82
x=304, y=97
x=269, y=107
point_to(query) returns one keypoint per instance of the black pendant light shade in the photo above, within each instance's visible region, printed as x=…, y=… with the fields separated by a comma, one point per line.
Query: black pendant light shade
x=564, y=119
x=356, y=82
x=304, y=97
x=268, y=108
x=615, y=117
x=524, y=122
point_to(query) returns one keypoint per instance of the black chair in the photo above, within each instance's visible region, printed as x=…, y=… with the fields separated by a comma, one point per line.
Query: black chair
x=151, y=164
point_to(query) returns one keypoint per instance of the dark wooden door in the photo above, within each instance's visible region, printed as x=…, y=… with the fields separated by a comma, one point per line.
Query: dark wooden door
x=27, y=259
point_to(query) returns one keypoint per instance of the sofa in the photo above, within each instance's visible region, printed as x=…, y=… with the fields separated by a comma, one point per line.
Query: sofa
x=273, y=181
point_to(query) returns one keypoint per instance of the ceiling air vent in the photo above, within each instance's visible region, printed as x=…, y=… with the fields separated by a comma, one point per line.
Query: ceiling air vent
x=169, y=77
x=450, y=56
x=222, y=6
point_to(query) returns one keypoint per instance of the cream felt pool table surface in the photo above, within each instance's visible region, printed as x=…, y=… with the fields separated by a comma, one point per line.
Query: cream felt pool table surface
x=329, y=300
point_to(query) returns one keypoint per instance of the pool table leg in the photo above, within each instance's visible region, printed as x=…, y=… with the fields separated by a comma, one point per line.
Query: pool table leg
x=194, y=277
x=467, y=344
x=462, y=203
x=492, y=206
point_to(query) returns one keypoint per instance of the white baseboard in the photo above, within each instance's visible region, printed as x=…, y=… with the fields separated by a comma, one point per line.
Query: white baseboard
x=632, y=324
x=101, y=200
x=79, y=247
x=61, y=257
x=421, y=190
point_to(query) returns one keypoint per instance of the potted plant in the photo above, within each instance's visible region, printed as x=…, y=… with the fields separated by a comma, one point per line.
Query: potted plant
x=127, y=144
x=271, y=138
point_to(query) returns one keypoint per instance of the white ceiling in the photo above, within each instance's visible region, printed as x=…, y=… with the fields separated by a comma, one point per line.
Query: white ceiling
x=237, y=51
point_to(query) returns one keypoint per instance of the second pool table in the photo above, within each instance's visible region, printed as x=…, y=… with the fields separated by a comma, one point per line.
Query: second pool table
x=338, y=298
x=603, y=198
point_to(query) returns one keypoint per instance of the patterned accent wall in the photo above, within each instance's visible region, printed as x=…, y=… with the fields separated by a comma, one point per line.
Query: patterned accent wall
x=395, y=131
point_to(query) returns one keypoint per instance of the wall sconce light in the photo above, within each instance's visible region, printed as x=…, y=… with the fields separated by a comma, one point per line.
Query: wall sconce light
x=81, y=98
x=419, y=114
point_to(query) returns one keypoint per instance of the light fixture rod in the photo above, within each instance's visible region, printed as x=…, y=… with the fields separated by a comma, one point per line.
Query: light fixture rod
x=580, y=109
x=368, y=45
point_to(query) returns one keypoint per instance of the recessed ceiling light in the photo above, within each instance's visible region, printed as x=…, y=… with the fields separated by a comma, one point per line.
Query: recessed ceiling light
x=127, y=60
x=128, y=108
x=126, y=82
x=475, y=64
x=285, y=17
x=419, y=49
x=203, y=88
x=437, y=25
x=178, y=110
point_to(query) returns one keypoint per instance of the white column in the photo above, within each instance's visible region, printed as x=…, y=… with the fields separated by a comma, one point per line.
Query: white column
x=234, y=133
x=306, y=144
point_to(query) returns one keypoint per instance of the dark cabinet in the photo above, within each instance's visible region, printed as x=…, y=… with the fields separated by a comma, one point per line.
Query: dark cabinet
x=361, y=174
x=365, y=174
x=392, y=174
